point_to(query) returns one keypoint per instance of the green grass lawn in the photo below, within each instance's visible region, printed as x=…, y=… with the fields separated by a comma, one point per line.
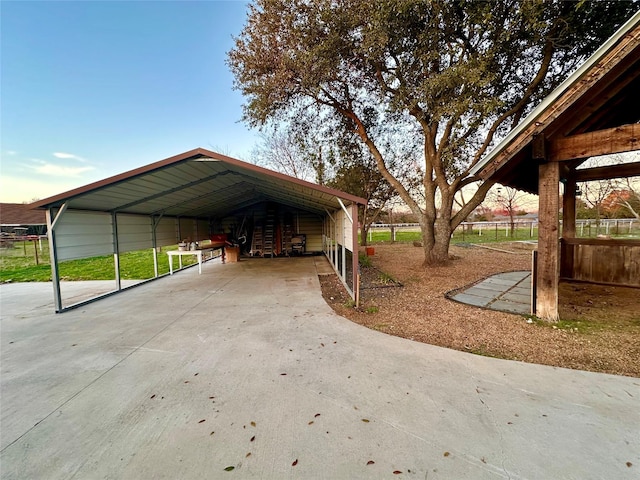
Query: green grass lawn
x=18, y=266
x=491, y=234
x=486, y=235
x=18, y=263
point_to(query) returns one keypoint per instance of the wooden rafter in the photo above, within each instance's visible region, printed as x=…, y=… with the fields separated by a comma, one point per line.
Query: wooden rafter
x=602, y=142
x=622, y=170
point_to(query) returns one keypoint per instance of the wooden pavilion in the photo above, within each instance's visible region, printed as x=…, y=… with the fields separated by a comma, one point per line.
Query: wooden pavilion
x=596, y=111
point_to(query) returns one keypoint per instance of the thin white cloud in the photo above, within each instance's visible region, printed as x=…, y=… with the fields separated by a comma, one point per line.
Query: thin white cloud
x=61, y=170
x=68, y=156
x=11, y=152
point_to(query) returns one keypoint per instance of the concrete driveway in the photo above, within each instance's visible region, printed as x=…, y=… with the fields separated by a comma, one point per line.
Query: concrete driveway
x=245, y=372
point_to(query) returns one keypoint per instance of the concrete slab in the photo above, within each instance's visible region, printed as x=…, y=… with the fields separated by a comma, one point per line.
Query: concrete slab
x=507, y=292
x=474, y=300
x=245, y=366
x=509, y=306
x=512, y=296
x=483, y=291
x=520, y=290
x=517, y=276
x=499, y=282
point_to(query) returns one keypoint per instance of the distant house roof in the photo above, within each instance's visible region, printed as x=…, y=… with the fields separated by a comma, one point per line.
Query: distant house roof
x=601, y=95
x=19, y=214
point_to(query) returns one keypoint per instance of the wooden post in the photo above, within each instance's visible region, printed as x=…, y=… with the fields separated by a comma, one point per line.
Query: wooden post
x=548, y=261
x=35, y=249
x=568, y=226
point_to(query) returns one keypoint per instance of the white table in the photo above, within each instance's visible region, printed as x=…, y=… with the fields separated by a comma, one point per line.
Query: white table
x=180, y=253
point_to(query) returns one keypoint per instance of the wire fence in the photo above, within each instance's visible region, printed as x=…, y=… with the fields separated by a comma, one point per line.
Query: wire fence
x=504, y=230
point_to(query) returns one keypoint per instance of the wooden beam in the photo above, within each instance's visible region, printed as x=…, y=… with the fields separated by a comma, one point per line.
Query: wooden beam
x=548, y=272
x=621, y=170
x=591, y=144
x=568, y=224
x=569, y=208
x=539, y=147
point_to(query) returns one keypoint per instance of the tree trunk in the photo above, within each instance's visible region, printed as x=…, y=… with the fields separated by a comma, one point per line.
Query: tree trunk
x=436, y=251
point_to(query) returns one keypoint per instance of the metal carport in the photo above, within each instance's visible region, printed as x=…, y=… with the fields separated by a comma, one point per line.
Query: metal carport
x=193, y=195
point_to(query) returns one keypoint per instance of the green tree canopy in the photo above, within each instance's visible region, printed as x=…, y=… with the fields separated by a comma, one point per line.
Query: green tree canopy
x=448, y=77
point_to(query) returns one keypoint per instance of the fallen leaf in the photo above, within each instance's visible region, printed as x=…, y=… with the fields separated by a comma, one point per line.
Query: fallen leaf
x=295, y=462
x=153, y=396
x=317, y=415
x=446, y=454
x=397, y=472
x=212, y=433
x=283, y=374
x=370, y=462
x=247, y=455
x=310, y=423
x=196, y=375
x=252, y=438
x=365, y=420
x=228, y=469
x=203, y=420
x=253, y=424
x=629, y=464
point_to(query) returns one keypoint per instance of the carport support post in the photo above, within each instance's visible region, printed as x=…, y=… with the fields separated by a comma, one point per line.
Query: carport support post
x=548, y=251
x=154, y=241
x=354, y=257
x=116, y=249
x=52, y=221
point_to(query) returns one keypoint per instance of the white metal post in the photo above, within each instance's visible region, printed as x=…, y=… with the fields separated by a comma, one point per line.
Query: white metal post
x=52, y=221
x=116, y=249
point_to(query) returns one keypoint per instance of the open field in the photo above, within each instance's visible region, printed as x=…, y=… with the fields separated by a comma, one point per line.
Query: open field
x=489, y=232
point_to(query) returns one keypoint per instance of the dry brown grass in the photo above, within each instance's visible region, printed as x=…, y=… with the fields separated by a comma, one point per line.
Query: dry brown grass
x=600, y=330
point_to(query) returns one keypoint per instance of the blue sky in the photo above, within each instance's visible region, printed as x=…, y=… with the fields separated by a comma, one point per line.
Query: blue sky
x=91, y=89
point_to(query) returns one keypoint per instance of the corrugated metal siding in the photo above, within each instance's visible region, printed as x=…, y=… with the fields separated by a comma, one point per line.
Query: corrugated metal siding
x=203, y=230
x=81, y=234
x=185, y=227
x=135, y=232
x=311, y=226
x=345, y=232
x=167, y=232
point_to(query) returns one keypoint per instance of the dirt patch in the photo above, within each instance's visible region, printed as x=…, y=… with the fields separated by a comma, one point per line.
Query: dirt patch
x=600, y=330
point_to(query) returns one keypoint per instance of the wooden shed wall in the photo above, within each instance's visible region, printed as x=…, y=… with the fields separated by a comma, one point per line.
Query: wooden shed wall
x=615, y=262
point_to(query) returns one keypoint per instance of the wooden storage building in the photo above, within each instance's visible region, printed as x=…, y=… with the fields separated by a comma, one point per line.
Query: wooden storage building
x=594, y=112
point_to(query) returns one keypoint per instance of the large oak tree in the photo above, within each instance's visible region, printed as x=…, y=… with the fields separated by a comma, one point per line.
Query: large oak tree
x=453, y=76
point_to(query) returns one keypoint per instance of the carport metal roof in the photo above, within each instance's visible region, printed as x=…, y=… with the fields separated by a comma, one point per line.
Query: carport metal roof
x=198, y=183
